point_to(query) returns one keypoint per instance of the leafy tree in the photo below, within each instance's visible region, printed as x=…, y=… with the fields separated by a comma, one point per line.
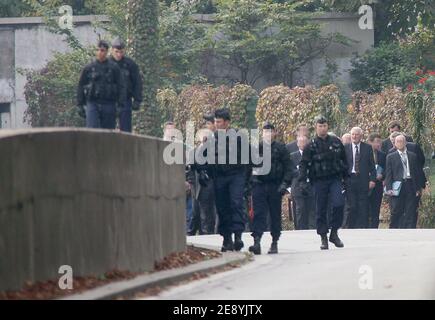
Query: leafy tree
x=396, y=63
x=181, y=41
x=392, y=17
x=386, y=65
x=51, y=92
x=10, y=8
x=256, y=38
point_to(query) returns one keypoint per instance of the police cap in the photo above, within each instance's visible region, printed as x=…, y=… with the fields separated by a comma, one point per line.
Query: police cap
x=117, y=43
x=268, y=125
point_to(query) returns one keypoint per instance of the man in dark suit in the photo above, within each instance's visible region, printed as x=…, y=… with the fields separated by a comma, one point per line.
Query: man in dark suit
x=387, y=144
x=301, y=130
x=305, y=217
x=421, y=159
x=411, y=146
x=362, y=173
x=376, y=194
x=403, y=166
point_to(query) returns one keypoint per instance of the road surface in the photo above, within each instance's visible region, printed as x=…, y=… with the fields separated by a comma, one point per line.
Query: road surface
x=374, y=264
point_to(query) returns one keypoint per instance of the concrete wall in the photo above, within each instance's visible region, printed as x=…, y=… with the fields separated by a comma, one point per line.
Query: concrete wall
x=92, y=199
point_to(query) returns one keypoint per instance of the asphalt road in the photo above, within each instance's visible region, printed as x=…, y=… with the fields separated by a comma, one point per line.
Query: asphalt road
x=374, y=264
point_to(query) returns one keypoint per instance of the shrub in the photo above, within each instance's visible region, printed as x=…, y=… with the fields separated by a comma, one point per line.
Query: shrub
x=286, y=107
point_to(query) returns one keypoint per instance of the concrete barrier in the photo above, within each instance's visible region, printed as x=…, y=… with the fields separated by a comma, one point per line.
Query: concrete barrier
x=95, y=200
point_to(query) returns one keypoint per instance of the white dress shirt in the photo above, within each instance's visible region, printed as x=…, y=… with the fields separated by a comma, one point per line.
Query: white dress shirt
x=354, y=151
x=405, y=164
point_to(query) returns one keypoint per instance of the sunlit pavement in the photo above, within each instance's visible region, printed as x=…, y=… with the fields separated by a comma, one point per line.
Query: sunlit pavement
x=374, y=264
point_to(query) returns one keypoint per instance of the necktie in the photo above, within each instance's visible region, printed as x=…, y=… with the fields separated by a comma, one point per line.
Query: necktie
x=405, y=165
x=356, y=159
x=375, y=156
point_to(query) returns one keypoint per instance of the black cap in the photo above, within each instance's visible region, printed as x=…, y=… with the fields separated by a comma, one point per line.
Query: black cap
x=117, y=43
x=208, y=117
x=268, y=125
x=103, y=44
x=320, y=120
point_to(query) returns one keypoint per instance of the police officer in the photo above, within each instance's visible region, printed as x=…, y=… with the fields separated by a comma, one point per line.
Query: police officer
x=133, y=82
x=101, y=88
x=268, y=189
x=324, y=164
x=229, y=178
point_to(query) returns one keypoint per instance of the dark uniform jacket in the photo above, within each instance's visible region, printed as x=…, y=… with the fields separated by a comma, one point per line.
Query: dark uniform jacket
x=132, y=78
x=323, y=159
x=281, y=166
x=101, y=82
x=296, y=158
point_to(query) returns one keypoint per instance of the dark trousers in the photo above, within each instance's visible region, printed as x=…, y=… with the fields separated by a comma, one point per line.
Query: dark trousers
x=305, y=217
x=204, y=213
x=125, y=117
x=358, y=203
x=324, y=191
x=229, y=203
x=375, y=201
x=266, y=202
x=100, y=115
x=404, y=207
x=189, y=212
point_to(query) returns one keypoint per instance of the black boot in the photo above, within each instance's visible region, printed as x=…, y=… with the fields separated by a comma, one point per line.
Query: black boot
x=256, y=248
x=324, y=245
x=228, y=244
x=238, y=243
x=274, y=247
x=333, y=237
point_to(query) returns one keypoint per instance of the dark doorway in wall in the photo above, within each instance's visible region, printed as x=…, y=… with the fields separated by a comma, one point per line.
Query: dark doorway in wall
x=5, y=115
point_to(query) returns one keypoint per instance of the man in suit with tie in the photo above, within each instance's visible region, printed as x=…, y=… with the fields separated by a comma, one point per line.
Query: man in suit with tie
x=305, y=217
x=361, y=166
x=387, y=144
x=411, y=146
x=403, y=167
x=376, y=194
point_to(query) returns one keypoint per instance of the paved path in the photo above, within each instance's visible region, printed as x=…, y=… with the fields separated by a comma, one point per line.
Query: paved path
x=401, y=262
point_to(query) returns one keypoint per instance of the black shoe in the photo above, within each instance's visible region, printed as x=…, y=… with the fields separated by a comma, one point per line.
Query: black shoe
x=273, y=248
x=238, y=243
x=333, y=237
x=256, y=248
x=228, y=244
x=324, y=245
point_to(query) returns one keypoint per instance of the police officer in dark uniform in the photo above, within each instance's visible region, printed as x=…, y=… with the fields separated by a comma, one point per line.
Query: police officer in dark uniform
x=230, y=177
x=133, y=82
x=268, y=189
x=324, y=163
x=101, y=88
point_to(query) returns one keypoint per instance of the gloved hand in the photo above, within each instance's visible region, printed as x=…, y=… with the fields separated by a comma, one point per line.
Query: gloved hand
x=203, y=178
x=282, y=190
x=82, y=111
x=136, y=106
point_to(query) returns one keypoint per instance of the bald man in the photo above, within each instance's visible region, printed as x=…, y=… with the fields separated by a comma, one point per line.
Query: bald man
x=403, y=168
x=362, y=179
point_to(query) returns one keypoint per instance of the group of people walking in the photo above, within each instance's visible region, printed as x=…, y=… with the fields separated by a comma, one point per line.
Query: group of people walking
x=331, y=183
